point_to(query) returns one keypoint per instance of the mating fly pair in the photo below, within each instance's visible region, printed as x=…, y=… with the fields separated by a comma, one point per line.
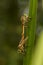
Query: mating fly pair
x=24, y=20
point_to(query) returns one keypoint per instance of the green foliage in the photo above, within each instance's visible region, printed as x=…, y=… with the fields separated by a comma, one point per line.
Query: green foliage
x=31, y=31
x=37, y=58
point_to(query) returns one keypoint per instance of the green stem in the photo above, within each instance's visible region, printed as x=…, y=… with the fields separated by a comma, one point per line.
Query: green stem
x=31, y=31
x=37, y=58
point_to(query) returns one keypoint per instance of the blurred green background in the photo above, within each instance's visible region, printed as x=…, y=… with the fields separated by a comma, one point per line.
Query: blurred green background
x=10, y=29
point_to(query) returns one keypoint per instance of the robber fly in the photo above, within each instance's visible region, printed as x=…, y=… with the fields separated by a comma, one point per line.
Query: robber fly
x=24, y=19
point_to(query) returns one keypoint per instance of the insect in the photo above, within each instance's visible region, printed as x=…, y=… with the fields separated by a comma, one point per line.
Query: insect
x=24, y=19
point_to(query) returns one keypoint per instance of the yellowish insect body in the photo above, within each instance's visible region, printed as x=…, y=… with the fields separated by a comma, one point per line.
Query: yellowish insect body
x=24, y=19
